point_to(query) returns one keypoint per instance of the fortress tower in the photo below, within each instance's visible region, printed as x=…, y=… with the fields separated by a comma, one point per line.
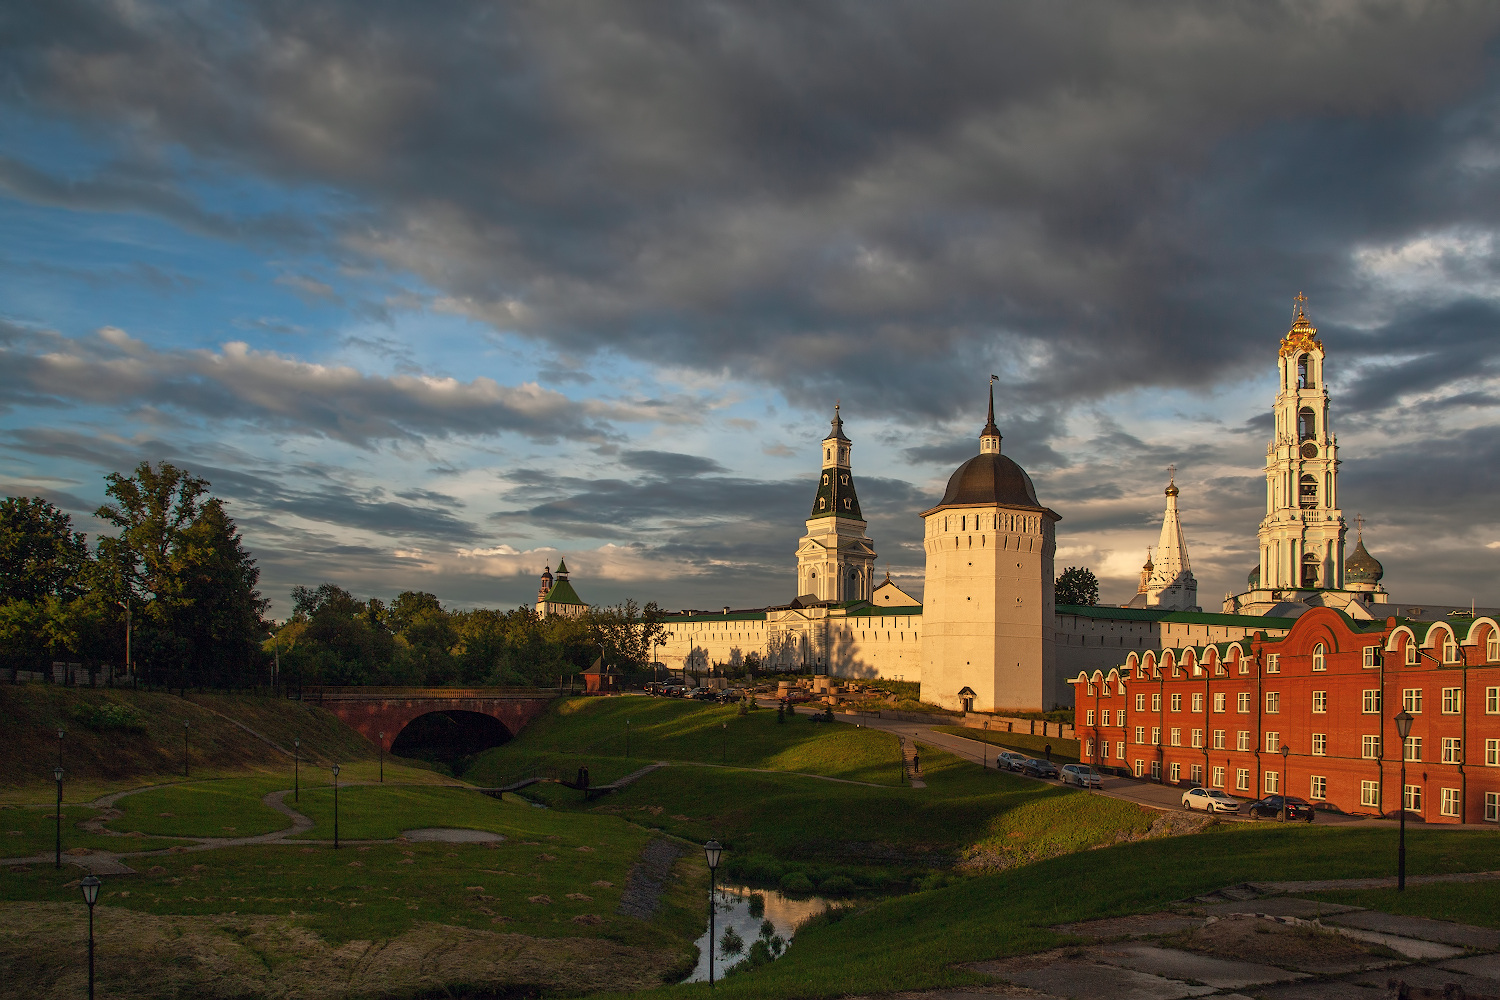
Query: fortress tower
x=987, y=610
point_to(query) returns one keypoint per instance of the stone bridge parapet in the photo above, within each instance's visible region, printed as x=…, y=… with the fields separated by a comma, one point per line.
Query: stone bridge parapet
x=371, y=711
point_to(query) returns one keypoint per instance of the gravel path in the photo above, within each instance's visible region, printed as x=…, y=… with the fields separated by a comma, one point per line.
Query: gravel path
x=647, y=878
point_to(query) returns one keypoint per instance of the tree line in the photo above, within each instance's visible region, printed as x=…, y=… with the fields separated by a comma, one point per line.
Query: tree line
x=178, y=580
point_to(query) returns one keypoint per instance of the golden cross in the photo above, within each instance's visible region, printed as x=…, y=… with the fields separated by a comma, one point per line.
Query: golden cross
x=1300, y=298
x=1171, y=474
x=1359, y=521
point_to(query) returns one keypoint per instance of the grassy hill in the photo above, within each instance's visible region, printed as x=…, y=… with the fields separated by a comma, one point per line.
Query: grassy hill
x=117, y=739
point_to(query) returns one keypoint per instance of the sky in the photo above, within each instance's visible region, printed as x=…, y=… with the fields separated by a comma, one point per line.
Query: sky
x=435, y=295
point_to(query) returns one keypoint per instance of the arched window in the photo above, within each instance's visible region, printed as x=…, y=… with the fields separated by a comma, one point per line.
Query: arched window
x=1450, y=649
x=1309, y=570
x=1304, y=364
x=1411, y=653
x=1309, y=493
x=1320, y=658
x=1307, y=424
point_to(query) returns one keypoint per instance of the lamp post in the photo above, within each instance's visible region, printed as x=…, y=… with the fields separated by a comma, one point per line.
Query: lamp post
x=184, y=748
x=297, y=770
x=335, y=807
x=627, y=738
x=724, y=743
x=1403, y=729
x=1285, y=752
x=986, y=749
x=382, y=758
x=61, y=732
x=57, y=773
x=90, y=886
x=711, y=851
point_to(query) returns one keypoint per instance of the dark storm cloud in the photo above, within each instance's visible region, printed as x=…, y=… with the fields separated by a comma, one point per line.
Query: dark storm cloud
x=1083, y=196
x=270, y=390
x=667, y=464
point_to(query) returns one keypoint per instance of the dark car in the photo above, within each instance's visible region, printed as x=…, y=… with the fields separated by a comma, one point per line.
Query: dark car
x=1270, y=806
x=1039, y=768
x=704, y=694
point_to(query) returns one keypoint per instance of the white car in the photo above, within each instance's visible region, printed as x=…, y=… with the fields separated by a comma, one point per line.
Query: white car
x=1209, y=800
x=1081, y=775
x=1009, y=760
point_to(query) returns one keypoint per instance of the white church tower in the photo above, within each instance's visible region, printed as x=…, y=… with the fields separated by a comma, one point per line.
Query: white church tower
x=836, y=559
x=1302, y=535
x=1171, y=585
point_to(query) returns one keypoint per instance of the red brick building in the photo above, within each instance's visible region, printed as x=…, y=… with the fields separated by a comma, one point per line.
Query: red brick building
x=1328, y=692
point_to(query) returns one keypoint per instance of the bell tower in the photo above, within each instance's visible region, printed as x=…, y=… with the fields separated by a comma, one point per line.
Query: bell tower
x=1302, y=535
x=836, y=559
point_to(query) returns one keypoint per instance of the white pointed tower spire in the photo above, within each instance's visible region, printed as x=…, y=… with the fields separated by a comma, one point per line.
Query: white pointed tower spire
x=1172, y=584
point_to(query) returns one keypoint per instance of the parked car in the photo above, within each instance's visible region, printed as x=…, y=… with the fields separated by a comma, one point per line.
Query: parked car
x=1039, y=768
x=730, y=694
x=673, y=691
x=1010, y=760
x=1271, y=805
x=798, y=695
x=1081, y=775
x=704, y=694
x=1210, y=800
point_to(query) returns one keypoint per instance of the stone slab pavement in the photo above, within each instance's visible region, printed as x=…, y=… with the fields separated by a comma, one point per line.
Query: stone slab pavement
x=1443, y=931
x=1085, y=980
x=1220, y=973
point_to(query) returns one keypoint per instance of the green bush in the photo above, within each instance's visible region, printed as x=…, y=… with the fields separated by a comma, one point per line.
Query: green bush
x=836, y=885
x=108, y=716
x=796, y=884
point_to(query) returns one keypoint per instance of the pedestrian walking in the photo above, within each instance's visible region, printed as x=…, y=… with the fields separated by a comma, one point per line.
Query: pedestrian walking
x=1049, y=753
x=916, y=764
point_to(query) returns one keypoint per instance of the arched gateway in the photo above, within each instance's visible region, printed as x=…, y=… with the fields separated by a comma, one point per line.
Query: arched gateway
x=371, y=711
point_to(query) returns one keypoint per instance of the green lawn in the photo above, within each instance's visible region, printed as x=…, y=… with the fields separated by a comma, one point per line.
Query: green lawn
x=1063, y=751
x=584, y=730
x=917, y=941
x=381, y=812
x=229, y=807
x=882, y=839
x=1462, y=902
x=376, y=892
x=28, y=832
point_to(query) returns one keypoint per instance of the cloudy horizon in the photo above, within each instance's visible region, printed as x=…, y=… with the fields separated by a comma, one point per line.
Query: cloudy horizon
x=435, y=296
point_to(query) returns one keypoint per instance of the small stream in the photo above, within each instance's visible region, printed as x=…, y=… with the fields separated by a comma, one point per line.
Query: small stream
x=732, y=908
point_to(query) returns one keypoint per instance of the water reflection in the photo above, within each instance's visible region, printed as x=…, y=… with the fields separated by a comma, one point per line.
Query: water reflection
x=736, y=908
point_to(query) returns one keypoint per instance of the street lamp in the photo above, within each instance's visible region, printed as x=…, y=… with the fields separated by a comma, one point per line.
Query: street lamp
x=57, y=773
x=382, y=758
x=986, y=748
x=297, y=770
x=184, y=748
x=90, y=886
x=335, y=807
x=724, y=744
x=61, y=732
x=711, y=851
x=1285, y=752
x=627, y=738
x=1403, y=729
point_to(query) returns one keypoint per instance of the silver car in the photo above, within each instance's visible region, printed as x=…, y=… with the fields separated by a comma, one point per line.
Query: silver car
x=1210, y=800
x=1009, y=759
x=1081, y=775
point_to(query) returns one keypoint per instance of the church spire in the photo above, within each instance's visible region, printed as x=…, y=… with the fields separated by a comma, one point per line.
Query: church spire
x=989, y=438
x=1172, y=583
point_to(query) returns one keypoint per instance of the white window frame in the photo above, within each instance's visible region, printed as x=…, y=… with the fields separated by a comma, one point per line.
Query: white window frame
x=1318, y=788
x=1449, y=802
x=1370, y=700
x=1320, y=702
x=1089, y=717
x=1320, y=744
x=1176, y=772
x=1371, y=657
x=1140, y=768
x=1273, y=783
x=1492, y=701
x=1218, y=739
x=1140, y=703
x=1156, y=736
x=1492, y=647
x=1411, y=700
x=1120, y=750
x=1176, y=702
x=1273, y=702
x=1140, y=736
x=1195, y=773
x=1273, y=741
x=1243, y=703
x=1197, y=702
x=1177, y=736
x=1450, y=649
x=1492, y=807
x=1453, y=701
x=1369, y=793
x=1198, y=738
x=1319, y=658
x=1219, y=700
x=1453, y=750
x=1412, y=750
x=1242, y=740
x=1218, y=776
x=1411, y=801
x=1242, y=779
x=1369, y=747
x=1273, y=663
x=1492, y=753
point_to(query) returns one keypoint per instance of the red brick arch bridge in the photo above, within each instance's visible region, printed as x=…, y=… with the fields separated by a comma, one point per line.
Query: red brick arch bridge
x=374, y=710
